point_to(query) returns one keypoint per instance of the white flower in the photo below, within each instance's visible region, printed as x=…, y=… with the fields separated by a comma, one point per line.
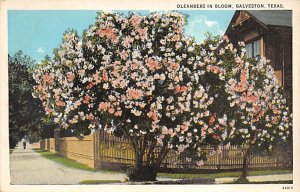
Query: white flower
x=136, y=54
x=162, y=77
x=181, y=148
x=105, y=86
x=200, y=163
x=190, y=49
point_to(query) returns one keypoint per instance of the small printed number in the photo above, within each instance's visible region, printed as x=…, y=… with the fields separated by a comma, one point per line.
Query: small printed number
x=287, y=187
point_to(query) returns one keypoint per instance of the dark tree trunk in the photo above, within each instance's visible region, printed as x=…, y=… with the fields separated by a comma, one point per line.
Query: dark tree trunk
x=243, y=177
x=141, y=171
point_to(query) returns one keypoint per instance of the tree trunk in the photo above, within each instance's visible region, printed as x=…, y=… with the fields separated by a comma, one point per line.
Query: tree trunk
x=141, y=172
x=243, y=177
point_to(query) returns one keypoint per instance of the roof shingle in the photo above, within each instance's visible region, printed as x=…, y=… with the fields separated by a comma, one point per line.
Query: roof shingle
x=273, y=17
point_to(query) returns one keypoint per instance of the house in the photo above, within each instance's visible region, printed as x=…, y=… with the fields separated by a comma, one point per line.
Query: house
x=266, y=33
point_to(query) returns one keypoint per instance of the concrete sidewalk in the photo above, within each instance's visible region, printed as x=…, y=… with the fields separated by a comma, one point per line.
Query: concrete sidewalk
x=29, y=167
x=261, y=178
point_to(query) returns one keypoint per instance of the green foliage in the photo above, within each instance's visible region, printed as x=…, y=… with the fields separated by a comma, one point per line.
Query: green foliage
x=241, y=180
x=146, y=173
x=25, y=112
x=93, y=182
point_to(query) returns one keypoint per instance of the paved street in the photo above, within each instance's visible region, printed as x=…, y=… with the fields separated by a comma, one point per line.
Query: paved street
x=29, y=167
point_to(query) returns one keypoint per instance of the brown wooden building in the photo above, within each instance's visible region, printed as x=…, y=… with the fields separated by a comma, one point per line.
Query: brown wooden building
x=266, y=33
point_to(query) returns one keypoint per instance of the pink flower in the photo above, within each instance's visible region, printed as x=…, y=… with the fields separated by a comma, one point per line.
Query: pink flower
x=104, y=76
x=135, y=20
x=70, y=76
x=176, y=37
x=96, y=78
x=127, y=41
x=60, y=103
x=183, y=88
x=214, y=69
x=90, y=116
x=118, y=113
x=111, y=110
x=241, y=87
x=134, y=94
x=252, y=99
x=153, y=115
x=243, y=75
x=109, y=33
x=47, y=79
x=142, y=32
x=177, y=89
x=81, y=72
x=103, y=106
x=87, y=99
x=211, y=119
x=48, y=110
x=90, y=85
x=124, y=55
x=152, y=64
x=174, y=66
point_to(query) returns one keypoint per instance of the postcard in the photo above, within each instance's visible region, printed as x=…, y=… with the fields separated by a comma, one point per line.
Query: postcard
x=149, y=95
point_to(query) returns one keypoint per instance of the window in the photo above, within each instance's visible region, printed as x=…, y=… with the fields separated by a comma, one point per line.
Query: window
x=253, y=49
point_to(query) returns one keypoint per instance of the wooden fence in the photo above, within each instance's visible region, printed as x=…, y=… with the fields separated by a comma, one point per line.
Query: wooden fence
x=103, y=150
x=81, y=150
x=48, y=144
x=118, y=150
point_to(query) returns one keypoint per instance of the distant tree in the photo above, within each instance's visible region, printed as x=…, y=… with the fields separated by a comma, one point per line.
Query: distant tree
x=25, y=112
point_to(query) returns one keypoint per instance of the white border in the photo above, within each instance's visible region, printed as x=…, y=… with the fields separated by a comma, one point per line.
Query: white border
x=6, y=5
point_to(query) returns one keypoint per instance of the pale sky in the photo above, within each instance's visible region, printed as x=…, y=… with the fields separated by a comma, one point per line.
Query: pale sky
x=37, y=33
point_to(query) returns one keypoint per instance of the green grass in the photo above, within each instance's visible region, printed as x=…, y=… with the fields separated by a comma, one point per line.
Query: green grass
x=220, y=175
x=63, y=160
x=91, y=182
x=266, y=182
x=273, y=182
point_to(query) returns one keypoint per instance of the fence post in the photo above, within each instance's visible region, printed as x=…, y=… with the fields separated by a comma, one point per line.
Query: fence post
x=42, y=144
x=56, y=140
x=96, y=145
x=218, y=160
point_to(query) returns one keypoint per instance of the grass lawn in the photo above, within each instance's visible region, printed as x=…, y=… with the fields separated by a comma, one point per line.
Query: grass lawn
x=220, y=175
x=63, y=160
x=91, y=182
x=267, y=182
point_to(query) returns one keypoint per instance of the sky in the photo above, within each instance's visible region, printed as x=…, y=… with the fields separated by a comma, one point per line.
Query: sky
x=37, y=33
